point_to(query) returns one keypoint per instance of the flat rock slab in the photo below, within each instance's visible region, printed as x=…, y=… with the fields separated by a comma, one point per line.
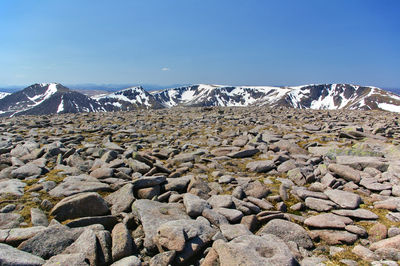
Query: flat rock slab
x=251, y=250
x=12, y=187
x=336, y=237
x=69, y=188
x=345, y=199
x=16, y=235
x=288, y=231
x=362, y=214
x=320, y=204
x=243, y=153
x=13, y=256
x=328, y=220
x=361, y=162
x=261, y=166
x=345, y=172
x=223, y=151
x=152, y=214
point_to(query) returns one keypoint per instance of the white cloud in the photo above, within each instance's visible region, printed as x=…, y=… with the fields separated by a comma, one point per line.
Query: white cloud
x=165, y=69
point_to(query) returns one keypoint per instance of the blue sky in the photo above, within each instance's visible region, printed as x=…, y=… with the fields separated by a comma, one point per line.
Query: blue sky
x=253, y=42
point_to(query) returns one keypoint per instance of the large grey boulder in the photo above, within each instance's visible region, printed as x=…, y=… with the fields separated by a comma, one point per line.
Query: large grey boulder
x=288, y=231
x=10, y=256
x=51, y=241
x=151, y=214
x=81, y=205
x=251, y=250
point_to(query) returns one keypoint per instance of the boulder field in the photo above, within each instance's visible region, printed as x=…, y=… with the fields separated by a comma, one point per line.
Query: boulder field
x=201, y=186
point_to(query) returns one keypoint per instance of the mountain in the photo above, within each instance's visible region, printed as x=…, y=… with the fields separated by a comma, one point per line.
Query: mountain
x=128, y=99
x=323, y=96
x=341, y=96
x=54, y=98
x=47, y=98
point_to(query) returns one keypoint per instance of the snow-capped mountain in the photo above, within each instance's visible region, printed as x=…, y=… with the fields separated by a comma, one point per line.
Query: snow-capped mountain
x=325, y=96
x=53, y=98
x=47, y=98
x=218, y=95
x=128, y=99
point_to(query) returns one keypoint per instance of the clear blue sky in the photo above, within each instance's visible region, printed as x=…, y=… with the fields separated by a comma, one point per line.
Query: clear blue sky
x=234, y=42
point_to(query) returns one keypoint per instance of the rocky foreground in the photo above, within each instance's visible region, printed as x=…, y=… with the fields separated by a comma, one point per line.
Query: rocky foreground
x=201, y=186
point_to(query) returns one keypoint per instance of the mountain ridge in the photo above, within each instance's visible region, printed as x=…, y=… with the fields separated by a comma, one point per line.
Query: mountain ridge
x=54, y=98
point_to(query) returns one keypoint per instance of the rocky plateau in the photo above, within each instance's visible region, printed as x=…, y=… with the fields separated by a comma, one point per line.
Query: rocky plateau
x=201, y=186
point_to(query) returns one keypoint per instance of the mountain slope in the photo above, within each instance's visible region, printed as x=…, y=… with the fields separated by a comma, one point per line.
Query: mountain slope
x=340, y=96
x=3, y=94
x=217, y=95
x=128, y=99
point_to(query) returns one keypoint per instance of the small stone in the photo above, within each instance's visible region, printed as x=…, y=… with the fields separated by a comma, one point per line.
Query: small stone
x=38, y=217
x=377, y=232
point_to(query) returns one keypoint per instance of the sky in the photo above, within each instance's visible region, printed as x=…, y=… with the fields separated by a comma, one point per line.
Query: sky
x=235, y=42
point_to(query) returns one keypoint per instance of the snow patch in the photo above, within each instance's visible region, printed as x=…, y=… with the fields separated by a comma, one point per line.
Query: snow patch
x=61, y=106
x=389, y=107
